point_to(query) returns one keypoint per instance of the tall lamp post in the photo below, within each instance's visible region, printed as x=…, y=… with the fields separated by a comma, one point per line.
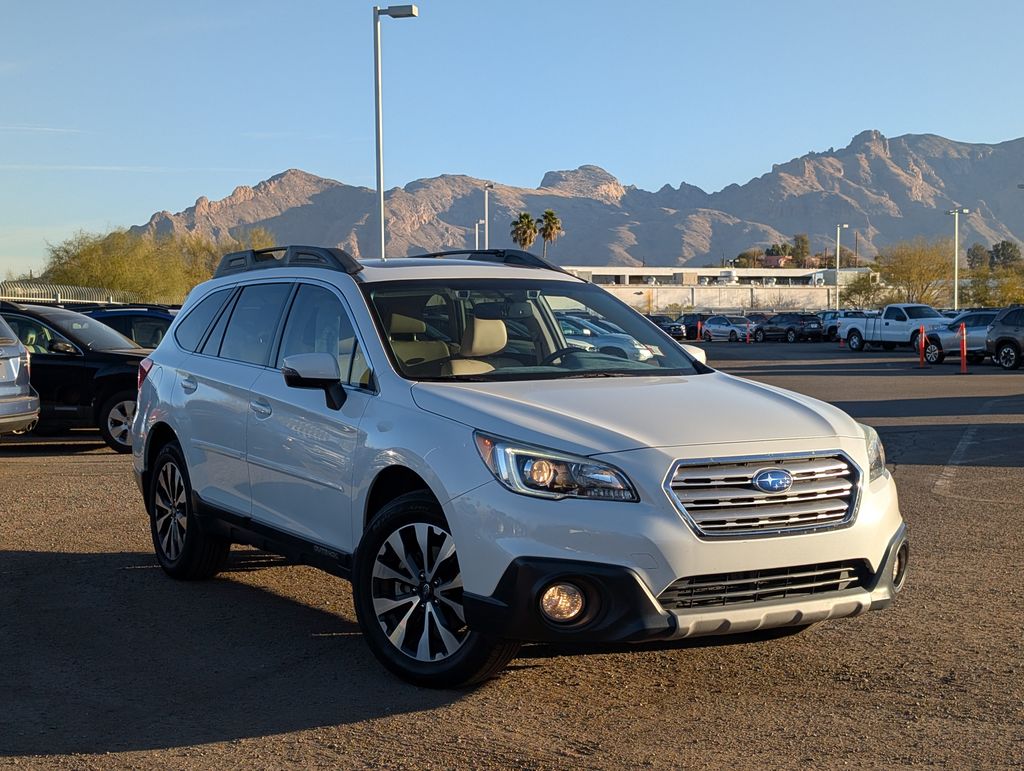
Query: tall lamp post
x=956, y=254
x=839, y=228
x=487, y=217
x=395, y=12
x=476, y=234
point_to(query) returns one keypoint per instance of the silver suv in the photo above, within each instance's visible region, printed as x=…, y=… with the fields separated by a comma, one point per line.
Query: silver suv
x=19, y=402
x=375, y=419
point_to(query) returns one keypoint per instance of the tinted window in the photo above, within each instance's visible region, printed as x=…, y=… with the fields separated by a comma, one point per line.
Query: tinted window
x=1011, y=319
x=923, y=312
x=254, y=320
x=193, y=327
x=318, y=323
x=895, y=314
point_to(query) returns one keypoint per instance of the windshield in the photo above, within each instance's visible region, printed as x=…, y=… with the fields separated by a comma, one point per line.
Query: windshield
x=493, y=329
x=739, y=321
x=94, y=335
x=922, y=312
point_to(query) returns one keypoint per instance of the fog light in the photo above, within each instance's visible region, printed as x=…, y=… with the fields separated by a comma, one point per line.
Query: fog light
x=899, y=566
x=562, y=602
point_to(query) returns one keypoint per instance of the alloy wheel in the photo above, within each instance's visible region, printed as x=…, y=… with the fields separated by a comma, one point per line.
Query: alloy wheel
x=119, y=421
x=170, y=505
x=1007, y=357
x=417, y=592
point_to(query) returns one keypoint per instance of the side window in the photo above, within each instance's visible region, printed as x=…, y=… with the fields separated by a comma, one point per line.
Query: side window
x=895, y=314
x=1011, y=319
x=120, y=324
x=34, y=335
x=318, y=323
x=193, y=327
x=147, y=331
x=254, y=320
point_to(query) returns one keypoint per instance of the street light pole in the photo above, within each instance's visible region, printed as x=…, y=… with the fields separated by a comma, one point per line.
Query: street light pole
x=476, y=234
x=956, y=254
x=395, y=12
x=487, y=217
x=839, y=228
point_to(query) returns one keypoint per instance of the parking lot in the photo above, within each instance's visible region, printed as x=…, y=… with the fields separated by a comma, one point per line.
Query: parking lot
x=105, y=662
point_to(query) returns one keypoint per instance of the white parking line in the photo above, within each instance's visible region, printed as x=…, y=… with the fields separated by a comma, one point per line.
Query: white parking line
x=949, y=471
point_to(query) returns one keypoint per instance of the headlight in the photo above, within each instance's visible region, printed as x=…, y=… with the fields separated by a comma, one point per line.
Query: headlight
x=548, y=474
x=876, y=453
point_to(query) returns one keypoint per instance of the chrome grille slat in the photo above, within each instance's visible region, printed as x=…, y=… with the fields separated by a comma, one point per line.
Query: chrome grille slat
x=720, y=500
x=761, y=585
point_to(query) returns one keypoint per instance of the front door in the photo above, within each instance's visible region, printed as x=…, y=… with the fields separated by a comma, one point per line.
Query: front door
x=300, y=451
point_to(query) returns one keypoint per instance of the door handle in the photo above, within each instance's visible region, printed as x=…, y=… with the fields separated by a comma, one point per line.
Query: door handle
x=189, y=384
x=261, y=409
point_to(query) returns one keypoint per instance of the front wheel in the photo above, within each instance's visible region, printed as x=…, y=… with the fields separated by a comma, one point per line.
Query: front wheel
x=407, y=589
x=759, y=336
x=855, y=341
x=1007, y=356
x=115, y=420
x=791, y=336
x=733, y=337
x=933, y=353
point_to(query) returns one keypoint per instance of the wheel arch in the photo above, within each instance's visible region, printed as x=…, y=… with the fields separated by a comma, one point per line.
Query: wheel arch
x=390, y=483
x=158, y=437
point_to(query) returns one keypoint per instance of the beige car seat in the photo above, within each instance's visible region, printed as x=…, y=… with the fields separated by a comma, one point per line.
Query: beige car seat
x=405, y=333
x=483, y=337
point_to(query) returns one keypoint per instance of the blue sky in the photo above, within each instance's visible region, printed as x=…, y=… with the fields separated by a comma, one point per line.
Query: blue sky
x=110, y=111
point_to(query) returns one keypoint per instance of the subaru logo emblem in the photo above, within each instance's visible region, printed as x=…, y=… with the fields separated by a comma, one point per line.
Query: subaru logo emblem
x=773, y=480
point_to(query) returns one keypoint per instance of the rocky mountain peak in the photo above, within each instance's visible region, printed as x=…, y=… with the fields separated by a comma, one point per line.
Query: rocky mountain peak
x=588, y=180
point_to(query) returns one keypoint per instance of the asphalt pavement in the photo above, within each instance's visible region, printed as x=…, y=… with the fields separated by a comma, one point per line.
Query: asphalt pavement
x=106, y=663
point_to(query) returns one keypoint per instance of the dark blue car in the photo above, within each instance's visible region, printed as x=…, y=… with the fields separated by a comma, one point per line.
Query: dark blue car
x=145, y=324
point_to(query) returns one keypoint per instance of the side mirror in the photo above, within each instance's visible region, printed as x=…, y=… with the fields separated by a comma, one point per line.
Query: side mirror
x=61, y=346
x=315, y=370
x=697, y=353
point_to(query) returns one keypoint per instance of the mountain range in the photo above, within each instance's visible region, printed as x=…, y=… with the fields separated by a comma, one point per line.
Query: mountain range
x=886, y=189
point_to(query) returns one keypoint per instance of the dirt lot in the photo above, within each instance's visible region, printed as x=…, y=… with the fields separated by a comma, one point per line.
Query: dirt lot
x=106, y=663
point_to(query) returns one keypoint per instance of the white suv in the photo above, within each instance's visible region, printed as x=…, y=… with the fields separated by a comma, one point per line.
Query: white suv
x=423, y=427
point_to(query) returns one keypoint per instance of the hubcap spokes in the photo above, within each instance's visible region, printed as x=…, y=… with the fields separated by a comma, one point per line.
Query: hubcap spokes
x=170, y=511
x=119, y=421
x=417, y=592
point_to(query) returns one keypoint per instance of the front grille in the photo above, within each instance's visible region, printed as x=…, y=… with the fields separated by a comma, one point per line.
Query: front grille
x=751, y=586
x=720, y=499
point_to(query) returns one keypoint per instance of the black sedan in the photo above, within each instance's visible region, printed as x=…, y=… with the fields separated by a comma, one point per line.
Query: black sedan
x=85, y=372
x=789, y=327
x=670, y=325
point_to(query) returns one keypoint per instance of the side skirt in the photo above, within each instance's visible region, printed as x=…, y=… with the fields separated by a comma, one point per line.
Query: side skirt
x=239, y=529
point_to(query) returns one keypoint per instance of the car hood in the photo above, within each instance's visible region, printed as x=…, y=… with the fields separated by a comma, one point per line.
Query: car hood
x=594, y=416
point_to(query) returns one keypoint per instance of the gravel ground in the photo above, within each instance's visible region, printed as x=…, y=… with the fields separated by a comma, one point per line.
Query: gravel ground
x=105, y=663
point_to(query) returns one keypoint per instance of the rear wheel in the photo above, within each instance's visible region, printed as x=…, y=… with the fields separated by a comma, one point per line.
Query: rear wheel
x=733, y=337
x=1007, y=356
x=115, y=420
x=855, y=341
x=407, y=588
x=707, y=336
x=791, y=336
x=182, y=548
x=759, y=336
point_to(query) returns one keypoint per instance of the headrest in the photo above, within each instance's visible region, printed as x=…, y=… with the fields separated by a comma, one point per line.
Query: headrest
x=30, y=337
x=406, y=325
x=483, y=337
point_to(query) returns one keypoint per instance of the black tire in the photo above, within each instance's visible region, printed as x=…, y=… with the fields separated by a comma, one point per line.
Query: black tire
x=791, y=336
x=182, y=547
x=428, y=607
x=733, y=337
x=1007, y=355
x=933, y=353
x=913, y=342
x=759, y=336
x=832, y=334
x=707, y=336
x=114, y=420
x=855, y=341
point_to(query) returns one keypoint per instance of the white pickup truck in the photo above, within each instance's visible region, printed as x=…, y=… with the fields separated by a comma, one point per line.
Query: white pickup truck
x=898, y=324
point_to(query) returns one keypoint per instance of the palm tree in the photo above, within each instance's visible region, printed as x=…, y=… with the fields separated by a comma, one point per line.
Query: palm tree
x=550, y=228
x=524, y=230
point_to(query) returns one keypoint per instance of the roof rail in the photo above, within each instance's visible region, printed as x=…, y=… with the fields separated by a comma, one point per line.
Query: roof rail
x=288, y=256
x=503, y=256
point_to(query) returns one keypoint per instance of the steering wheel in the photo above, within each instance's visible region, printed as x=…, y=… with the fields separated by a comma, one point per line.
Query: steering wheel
x=551, y=358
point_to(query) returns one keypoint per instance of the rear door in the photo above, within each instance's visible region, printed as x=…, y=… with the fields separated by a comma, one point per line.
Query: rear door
x=977, y=329
x=300, y=451
x=212, y=387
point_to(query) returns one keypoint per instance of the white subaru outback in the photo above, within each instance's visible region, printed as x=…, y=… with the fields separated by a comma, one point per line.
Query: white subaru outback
x=423, y=427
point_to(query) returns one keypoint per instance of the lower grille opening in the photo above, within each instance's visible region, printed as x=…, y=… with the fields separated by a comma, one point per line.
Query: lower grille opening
x=750, y=586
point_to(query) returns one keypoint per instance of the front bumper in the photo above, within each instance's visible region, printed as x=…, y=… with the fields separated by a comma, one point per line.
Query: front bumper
x=620, y=608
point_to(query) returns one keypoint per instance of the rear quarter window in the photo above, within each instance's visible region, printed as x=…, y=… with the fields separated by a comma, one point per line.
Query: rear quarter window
x=190, y=332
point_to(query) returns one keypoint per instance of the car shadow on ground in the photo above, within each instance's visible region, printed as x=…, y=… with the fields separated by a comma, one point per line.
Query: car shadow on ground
x=104, y=653
x=57, y=443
